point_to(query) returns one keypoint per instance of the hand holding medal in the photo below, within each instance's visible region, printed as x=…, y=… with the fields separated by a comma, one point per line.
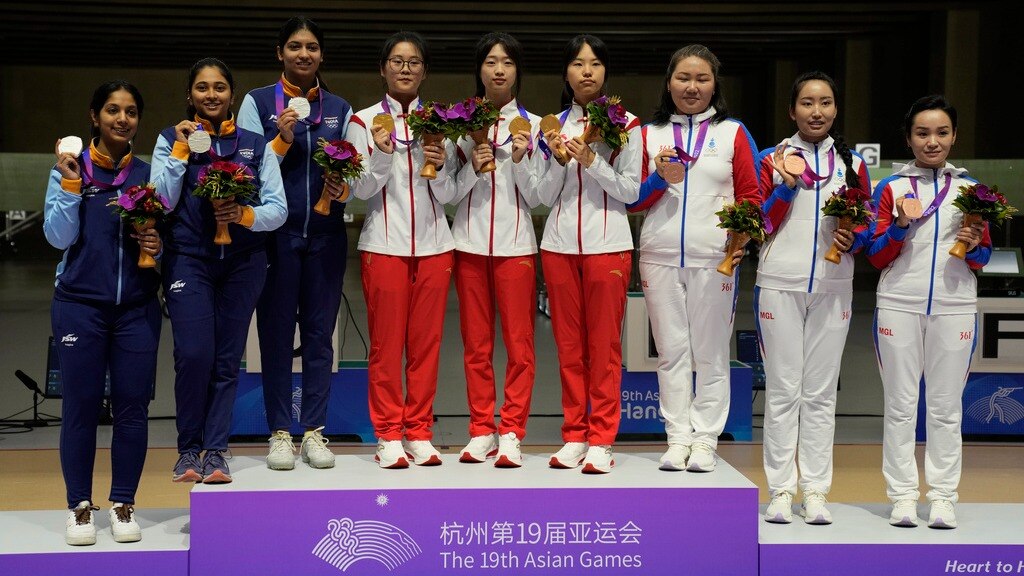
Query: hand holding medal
x=383, y=128
x=68, y=149
x=521, y=131
x=551, y=128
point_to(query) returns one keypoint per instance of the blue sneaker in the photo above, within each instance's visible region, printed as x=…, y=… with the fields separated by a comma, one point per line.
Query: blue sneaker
x=188, y=468
x=215, y=469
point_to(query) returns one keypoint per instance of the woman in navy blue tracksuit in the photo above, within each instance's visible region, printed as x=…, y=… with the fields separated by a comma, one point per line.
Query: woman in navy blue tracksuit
x=105, y=313
x=307, y=255
x=211, y=290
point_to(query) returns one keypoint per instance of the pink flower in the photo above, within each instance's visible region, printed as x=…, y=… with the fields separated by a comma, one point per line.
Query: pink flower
x=337, y=151
x=984, y=193
x=126, y=201
x=462, y=110
x=617, y=114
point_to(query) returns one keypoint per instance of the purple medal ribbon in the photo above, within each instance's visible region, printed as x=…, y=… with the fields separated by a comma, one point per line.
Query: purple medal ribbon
x=279, y=104
x=810, y=176
x=91, y=180
x=394, y=137
x=937, y=201
x=702, y=132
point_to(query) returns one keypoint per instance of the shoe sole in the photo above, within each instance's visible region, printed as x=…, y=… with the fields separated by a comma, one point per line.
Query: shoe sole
x=281, y=466
x=819, y=520
x=399, y=464
x=217, y=477
x=317, y=466
x=940, y=525
x=591, y=469
x=506, y=462
x=904, y=523
x=80, y=540
x=778, y=519
x=189, y=476
x=468, y=458
x=434, y=460
x=693, y=468
x=125, y=538
x=556, y=463
x=669, y=467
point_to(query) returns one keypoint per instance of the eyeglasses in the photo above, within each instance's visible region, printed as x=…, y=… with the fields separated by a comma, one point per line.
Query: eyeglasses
x=397, y=64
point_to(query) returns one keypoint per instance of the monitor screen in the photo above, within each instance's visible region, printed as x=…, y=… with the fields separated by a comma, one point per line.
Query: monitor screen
x=1004, y=262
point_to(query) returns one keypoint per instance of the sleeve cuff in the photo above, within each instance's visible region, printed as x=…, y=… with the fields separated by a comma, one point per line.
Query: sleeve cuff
x=180, y=151
x=248, y=217
x=71, y=186
x=897, y=233
x=656, y=181
x=279, y=146
x=785, y=192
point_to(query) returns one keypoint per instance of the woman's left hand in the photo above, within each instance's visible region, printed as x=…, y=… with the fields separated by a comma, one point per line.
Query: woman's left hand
x=843, y=240
x=230, y=213
x=580, y=152
x=971, y=235
x=434, y=154
x=149, y=241
x=335, y=185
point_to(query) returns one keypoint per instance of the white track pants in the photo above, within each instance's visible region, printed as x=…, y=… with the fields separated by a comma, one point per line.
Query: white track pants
x=691, y=312
x=802, y=338
x=939, y=348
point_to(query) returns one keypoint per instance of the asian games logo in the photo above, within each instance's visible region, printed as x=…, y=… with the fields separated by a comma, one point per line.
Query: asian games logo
x=349, y=541
x=331, y=122
x=712, y=149
x=839, y=173
x=998, y=405
x=247, y=153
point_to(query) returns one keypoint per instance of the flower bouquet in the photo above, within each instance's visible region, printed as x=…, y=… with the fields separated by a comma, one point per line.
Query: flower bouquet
x=141, y=207
x=473, y=117
x=851, y=208
x=430, y=127
x=339, y=159
x=606, y=122
x=980, y=203
x=744, y=221
x=224, y=182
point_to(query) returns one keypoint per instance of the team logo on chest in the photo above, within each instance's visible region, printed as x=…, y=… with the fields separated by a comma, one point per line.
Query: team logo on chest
x=272, y=118
x=331, y=121
x=711, y=149
x=247, y=153
x=839, y=173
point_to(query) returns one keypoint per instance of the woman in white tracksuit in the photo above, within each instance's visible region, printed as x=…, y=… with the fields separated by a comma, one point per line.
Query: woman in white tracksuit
x=926, y=320
x=587, y=256
x=802, y=303
x=690, y=304
x=495, y=258
x=406, y=258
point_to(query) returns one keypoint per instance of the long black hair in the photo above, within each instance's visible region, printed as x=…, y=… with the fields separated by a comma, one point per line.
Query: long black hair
x=103, y=92
x=925, y=103
x=572, y=50
x=293, y=25
x=515, y=53
x=852, y=178
x=199, y=66
x=667, y=107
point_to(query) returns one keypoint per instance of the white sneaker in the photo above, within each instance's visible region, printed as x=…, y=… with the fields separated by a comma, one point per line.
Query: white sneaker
x=674, y=459
x=123, y=525
x=422, y=452
x=570, y=456
x=479, y=449
x=599, y=460
x=702, y=458
x=942, y=514
x=390, y=454
x=80, y=528
x=509, y=454
x=314, y=450
x=815, y=508
x=904, y=513
x=780, y=509
x=282, y=451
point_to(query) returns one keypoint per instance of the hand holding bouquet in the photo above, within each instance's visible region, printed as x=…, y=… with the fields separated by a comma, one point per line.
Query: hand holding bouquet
x=141, y=207
x=340, y=162
x=851, y=208
x=744, y=221
x=223, y=183
x=979, y=203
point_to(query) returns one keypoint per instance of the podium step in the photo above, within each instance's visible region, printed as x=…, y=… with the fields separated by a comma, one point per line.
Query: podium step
x=465, y=518
x=32, y=542
x=989, y=540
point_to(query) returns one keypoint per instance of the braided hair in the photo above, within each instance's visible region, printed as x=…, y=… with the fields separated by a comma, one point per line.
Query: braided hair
x=852, y=178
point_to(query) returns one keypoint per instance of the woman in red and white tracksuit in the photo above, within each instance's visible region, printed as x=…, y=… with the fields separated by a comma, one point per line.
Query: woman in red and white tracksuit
x=406, y=257
x=495, y=251
x=926, y=320
x=691, y=305
x=802, y=303
x=587, y=257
